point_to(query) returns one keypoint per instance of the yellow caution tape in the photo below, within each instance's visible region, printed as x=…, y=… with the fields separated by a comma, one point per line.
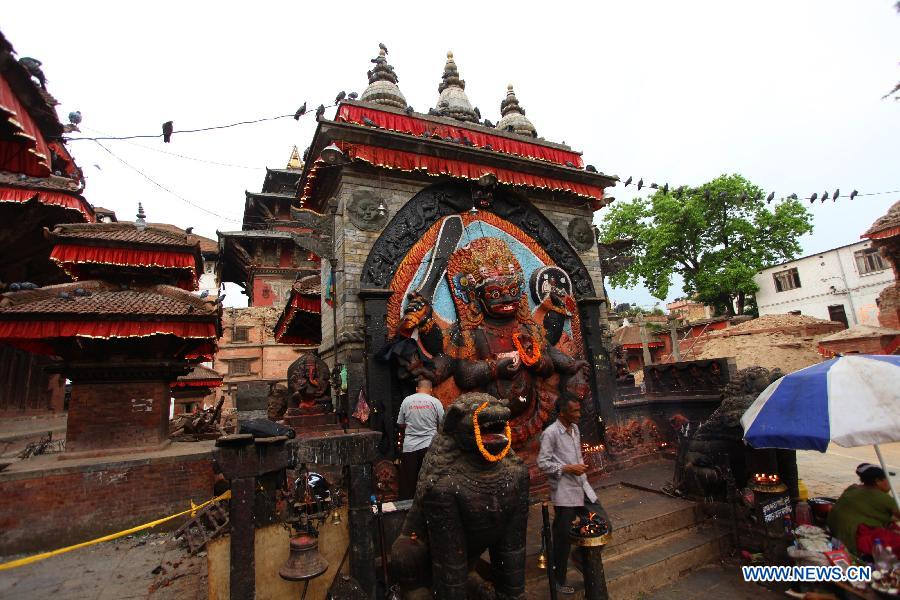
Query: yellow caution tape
x=37, y=557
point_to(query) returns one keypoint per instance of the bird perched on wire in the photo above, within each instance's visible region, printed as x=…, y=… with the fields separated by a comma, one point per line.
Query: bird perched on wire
x=33, y=66
x=640, y=183
x=168, y=128
x=341, y=95
x=853, y=194
x=487, y=123
x=382, y=47
x=837, y=193
x=369, y=122
x=653, y=186
x=352, y=96
x=792, y=197
x=825, y=196
x=770, y=197
x=320, y=111
x=813, y=197
x=300, y=112
x=628, y=181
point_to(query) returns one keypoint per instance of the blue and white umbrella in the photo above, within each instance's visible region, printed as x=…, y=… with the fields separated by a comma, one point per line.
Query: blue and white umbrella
x=850, y=400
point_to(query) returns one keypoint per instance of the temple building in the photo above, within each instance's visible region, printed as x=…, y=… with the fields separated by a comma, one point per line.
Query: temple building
x=265, y=259
x=411, y=220
x=40, y=187
x=126, y=328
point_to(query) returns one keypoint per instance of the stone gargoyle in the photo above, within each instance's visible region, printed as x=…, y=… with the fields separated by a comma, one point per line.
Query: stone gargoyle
x=472, y=496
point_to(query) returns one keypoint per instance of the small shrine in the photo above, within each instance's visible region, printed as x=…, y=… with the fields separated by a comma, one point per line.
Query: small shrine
x=124, y=335
x=191, y=389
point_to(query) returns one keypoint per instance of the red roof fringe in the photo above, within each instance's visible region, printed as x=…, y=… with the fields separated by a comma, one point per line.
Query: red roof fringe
x=415, y=126
x=409, y=161
x=10, y=194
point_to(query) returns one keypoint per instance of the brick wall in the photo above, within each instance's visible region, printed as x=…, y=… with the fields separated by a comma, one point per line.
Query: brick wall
x=871, y=345
x=118, y=414
x=53, y=508
x=889, y=307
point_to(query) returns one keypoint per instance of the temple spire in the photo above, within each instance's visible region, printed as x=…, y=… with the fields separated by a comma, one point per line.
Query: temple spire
x=453, y=101
x=514, y=119
x=294, y=161
x=141, y=221
x=383, y=88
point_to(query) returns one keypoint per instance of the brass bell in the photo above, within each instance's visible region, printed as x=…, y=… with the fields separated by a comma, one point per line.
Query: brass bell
x=304, y=562
x=336, y=517
x=542, y=557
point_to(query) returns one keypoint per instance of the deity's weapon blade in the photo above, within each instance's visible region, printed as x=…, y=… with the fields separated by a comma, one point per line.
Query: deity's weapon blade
x=448, y=237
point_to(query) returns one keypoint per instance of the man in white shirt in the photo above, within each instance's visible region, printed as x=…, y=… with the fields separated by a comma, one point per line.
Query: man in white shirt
x=561, y=459
x=420, y=415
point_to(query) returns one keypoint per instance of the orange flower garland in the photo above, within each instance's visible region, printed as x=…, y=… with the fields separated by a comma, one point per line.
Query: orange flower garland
x=484, y=451
x=528, y=359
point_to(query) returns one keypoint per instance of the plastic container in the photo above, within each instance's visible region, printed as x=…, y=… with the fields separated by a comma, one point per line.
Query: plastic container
x=802, y=491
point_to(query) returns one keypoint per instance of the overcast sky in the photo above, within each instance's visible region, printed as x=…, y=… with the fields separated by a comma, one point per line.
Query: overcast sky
x=786, y=93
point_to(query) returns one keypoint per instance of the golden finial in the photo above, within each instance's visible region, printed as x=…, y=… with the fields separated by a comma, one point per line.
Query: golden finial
x=449, y=55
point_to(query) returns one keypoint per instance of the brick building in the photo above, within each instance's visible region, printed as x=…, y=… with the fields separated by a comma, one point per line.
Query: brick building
x=249, y=358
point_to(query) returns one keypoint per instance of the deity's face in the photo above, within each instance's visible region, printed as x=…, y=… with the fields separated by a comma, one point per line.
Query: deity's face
x=499, y=296
x=367, y=209
x=582, y=233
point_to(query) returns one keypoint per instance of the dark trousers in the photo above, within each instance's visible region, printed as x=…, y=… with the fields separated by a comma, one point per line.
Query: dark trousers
x=410, y=465
x=562, y=522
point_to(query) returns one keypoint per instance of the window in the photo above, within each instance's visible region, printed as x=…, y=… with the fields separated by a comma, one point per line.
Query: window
x=239, y=367
x=836, y=312
x=869, y=261
x=786, y=280
x=240, y=334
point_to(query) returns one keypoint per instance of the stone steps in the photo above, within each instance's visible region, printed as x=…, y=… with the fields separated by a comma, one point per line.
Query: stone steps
x=656, y=540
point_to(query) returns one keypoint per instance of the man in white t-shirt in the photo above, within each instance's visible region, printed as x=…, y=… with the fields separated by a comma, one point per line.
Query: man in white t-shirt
x=420, y=416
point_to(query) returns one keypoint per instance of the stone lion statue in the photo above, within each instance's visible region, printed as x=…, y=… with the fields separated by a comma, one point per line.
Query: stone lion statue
x=718, y=442
x=472, y=496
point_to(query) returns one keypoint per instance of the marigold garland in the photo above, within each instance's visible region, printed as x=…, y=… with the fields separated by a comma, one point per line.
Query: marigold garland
x=528, y=359
x=484, y=451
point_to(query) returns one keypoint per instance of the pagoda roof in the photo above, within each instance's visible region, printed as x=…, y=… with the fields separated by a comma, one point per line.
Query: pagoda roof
x=887, y=225
x=301, y=320
x=47, y=320
x=207, y=246
x=125, y=233
x=107, y=300
x=277, y=180
x=199, y=376
x=390, y=138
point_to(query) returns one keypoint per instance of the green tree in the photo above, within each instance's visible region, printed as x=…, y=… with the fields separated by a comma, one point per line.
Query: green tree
x=717, y=237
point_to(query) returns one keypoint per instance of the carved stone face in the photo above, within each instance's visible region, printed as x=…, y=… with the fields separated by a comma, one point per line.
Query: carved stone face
x=499, y=297
x=363, y=211
x=581, y=235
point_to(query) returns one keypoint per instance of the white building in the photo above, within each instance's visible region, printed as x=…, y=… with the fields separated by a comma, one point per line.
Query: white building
x=840, y=284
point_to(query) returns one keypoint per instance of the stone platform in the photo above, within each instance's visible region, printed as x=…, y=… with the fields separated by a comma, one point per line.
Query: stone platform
x=49, y=503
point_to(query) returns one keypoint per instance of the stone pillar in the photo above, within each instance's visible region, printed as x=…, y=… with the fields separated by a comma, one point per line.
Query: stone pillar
x=378, y=373
x=673, y=334
x=602, y=379
x=645, y=343
x=119, y=406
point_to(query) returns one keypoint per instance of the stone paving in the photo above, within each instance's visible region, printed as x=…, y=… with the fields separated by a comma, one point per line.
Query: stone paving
x=830, y=473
